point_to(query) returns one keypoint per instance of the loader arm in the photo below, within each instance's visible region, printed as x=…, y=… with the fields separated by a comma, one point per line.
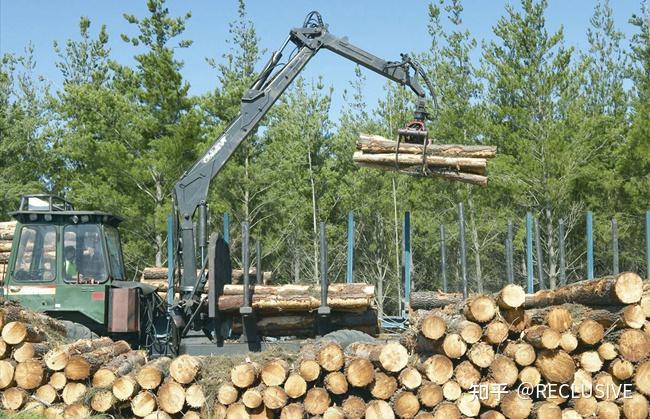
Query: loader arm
x=190, y=192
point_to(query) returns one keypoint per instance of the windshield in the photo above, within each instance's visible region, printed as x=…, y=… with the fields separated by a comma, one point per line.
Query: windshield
x=83, y=254
x=114, y=252
x=36, y=258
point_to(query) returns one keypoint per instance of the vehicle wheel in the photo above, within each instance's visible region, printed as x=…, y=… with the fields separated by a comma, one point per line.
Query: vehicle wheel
x=346, y=336
x=75, y=331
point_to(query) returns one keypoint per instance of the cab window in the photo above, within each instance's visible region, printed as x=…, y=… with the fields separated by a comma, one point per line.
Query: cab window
x=83, y=254
x=36, y=256
x=114, y=252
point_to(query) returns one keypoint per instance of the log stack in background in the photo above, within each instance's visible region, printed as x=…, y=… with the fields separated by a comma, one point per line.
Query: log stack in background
x=290, y=309
x=463, y=163
x=6, y=236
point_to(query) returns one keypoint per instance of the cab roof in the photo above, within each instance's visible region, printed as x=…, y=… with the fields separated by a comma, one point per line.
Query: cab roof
x=51, y=209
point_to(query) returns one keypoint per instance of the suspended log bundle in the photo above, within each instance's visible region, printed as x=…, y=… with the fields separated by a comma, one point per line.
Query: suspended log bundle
x=463, y=163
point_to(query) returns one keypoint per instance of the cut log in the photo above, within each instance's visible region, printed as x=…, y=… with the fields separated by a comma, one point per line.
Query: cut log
x=354, y=407
x=227, y=394
x=517, y=319
x=14, y=398
x=427, y=300
x=530, y=376
x=184, y=369
x=470, y=332
x=607, y=351
x=522, y=353
x=7, y=369
x=298, y=289
x=295, y=386
x=493, y=414
x=317, y=401
x=73, y=392
x=446, y=410
x=330, y=356
x=393, y=357
x=438, y=369
x=252, y=398
x=585, y=406
x=626, y=288
x=29, y=350
x=621, y=369
x=280, y=303
x=590, y=332
x=454, y=346
x=118, y=367
x=29, y=374
x=511, y=296
x=496, y=332
x=194, y=396
x=504, y=371
x=386, y=162
x=359, y=372
x=543, y=337
x=46, y=394
x=568, y=342
x=633, y=316
x=334, y=412
x=635, y=406
x=559, y=319
x=80, y=367
x=451, y=391
x=156, y=275
x=150, y=376
x=379, y=409
x=58, y=380
x=516, y=406
x=469, y=405
x=376, y=144
x=633, y=345
x=480, y=309
x=409, y=378
x=433, y=326
x=293, y=411
x=590, y=361
x=124, y=388
x=102, y=400
x=171, y=397
x=481, y=354
x=555, y=366
x=143, y=403
x=309, y=369
x=490, y=393
x=336, y=383
x=430, y=394
x=77, y=411
x=57, y=358
x=275, y=372
x=274, y=397
x=244, y=375
x=606, y=388
x=608, y=410
x=17, y=332
x=406, y=404
x=383, y=387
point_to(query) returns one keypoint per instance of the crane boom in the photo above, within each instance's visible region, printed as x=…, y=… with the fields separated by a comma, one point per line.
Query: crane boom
x=190, y=192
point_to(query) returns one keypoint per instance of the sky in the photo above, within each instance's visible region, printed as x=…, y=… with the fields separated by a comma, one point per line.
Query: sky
x=384, y=27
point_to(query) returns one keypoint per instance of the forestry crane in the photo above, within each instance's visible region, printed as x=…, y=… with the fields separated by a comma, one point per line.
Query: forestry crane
x=69, y=264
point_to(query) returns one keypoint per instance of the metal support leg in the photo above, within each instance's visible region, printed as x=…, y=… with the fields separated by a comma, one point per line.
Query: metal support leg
x=323, y=321
x=463, y=257
x=258, y=262
x=529, y=252
x=560, y=241
x=443, y=258
x=590, y=245
x=249, y=323
x=509, y=256
x=538, y=256
x=349, y=273
x=406, y=260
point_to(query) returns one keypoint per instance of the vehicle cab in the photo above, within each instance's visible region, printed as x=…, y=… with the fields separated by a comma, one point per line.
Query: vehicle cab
x=63, y=261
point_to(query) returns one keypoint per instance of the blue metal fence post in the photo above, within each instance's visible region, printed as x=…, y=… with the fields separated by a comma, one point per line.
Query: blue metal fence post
x=509, y=256
x=170, y=260
x=350, y=266
x=443, y=258
x=407, y=258
x=590, y=245
x=226, y=228
x=463, y=257
x=529, y=252
x=615, y=265
x=647, y=242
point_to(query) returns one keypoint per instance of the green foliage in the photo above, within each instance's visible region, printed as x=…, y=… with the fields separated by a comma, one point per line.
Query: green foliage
x=571, y=128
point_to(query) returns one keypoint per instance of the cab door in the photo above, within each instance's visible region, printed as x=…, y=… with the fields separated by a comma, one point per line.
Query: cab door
x=32, y=268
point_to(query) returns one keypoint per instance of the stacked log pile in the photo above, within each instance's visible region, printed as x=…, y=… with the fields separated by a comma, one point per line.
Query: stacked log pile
x=463, y=163
x=290, y=309
x=6, y=236
x=578, y=351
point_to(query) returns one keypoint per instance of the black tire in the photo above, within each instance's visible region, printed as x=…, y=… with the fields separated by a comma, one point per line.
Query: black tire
x=346, y=336
x=75, y=331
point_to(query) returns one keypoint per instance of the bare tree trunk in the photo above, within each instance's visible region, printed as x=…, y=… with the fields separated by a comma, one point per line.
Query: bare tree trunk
x=380, y=289
x=159, y=235
x=314, y=217
x=476, y=247
x=398, y=267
